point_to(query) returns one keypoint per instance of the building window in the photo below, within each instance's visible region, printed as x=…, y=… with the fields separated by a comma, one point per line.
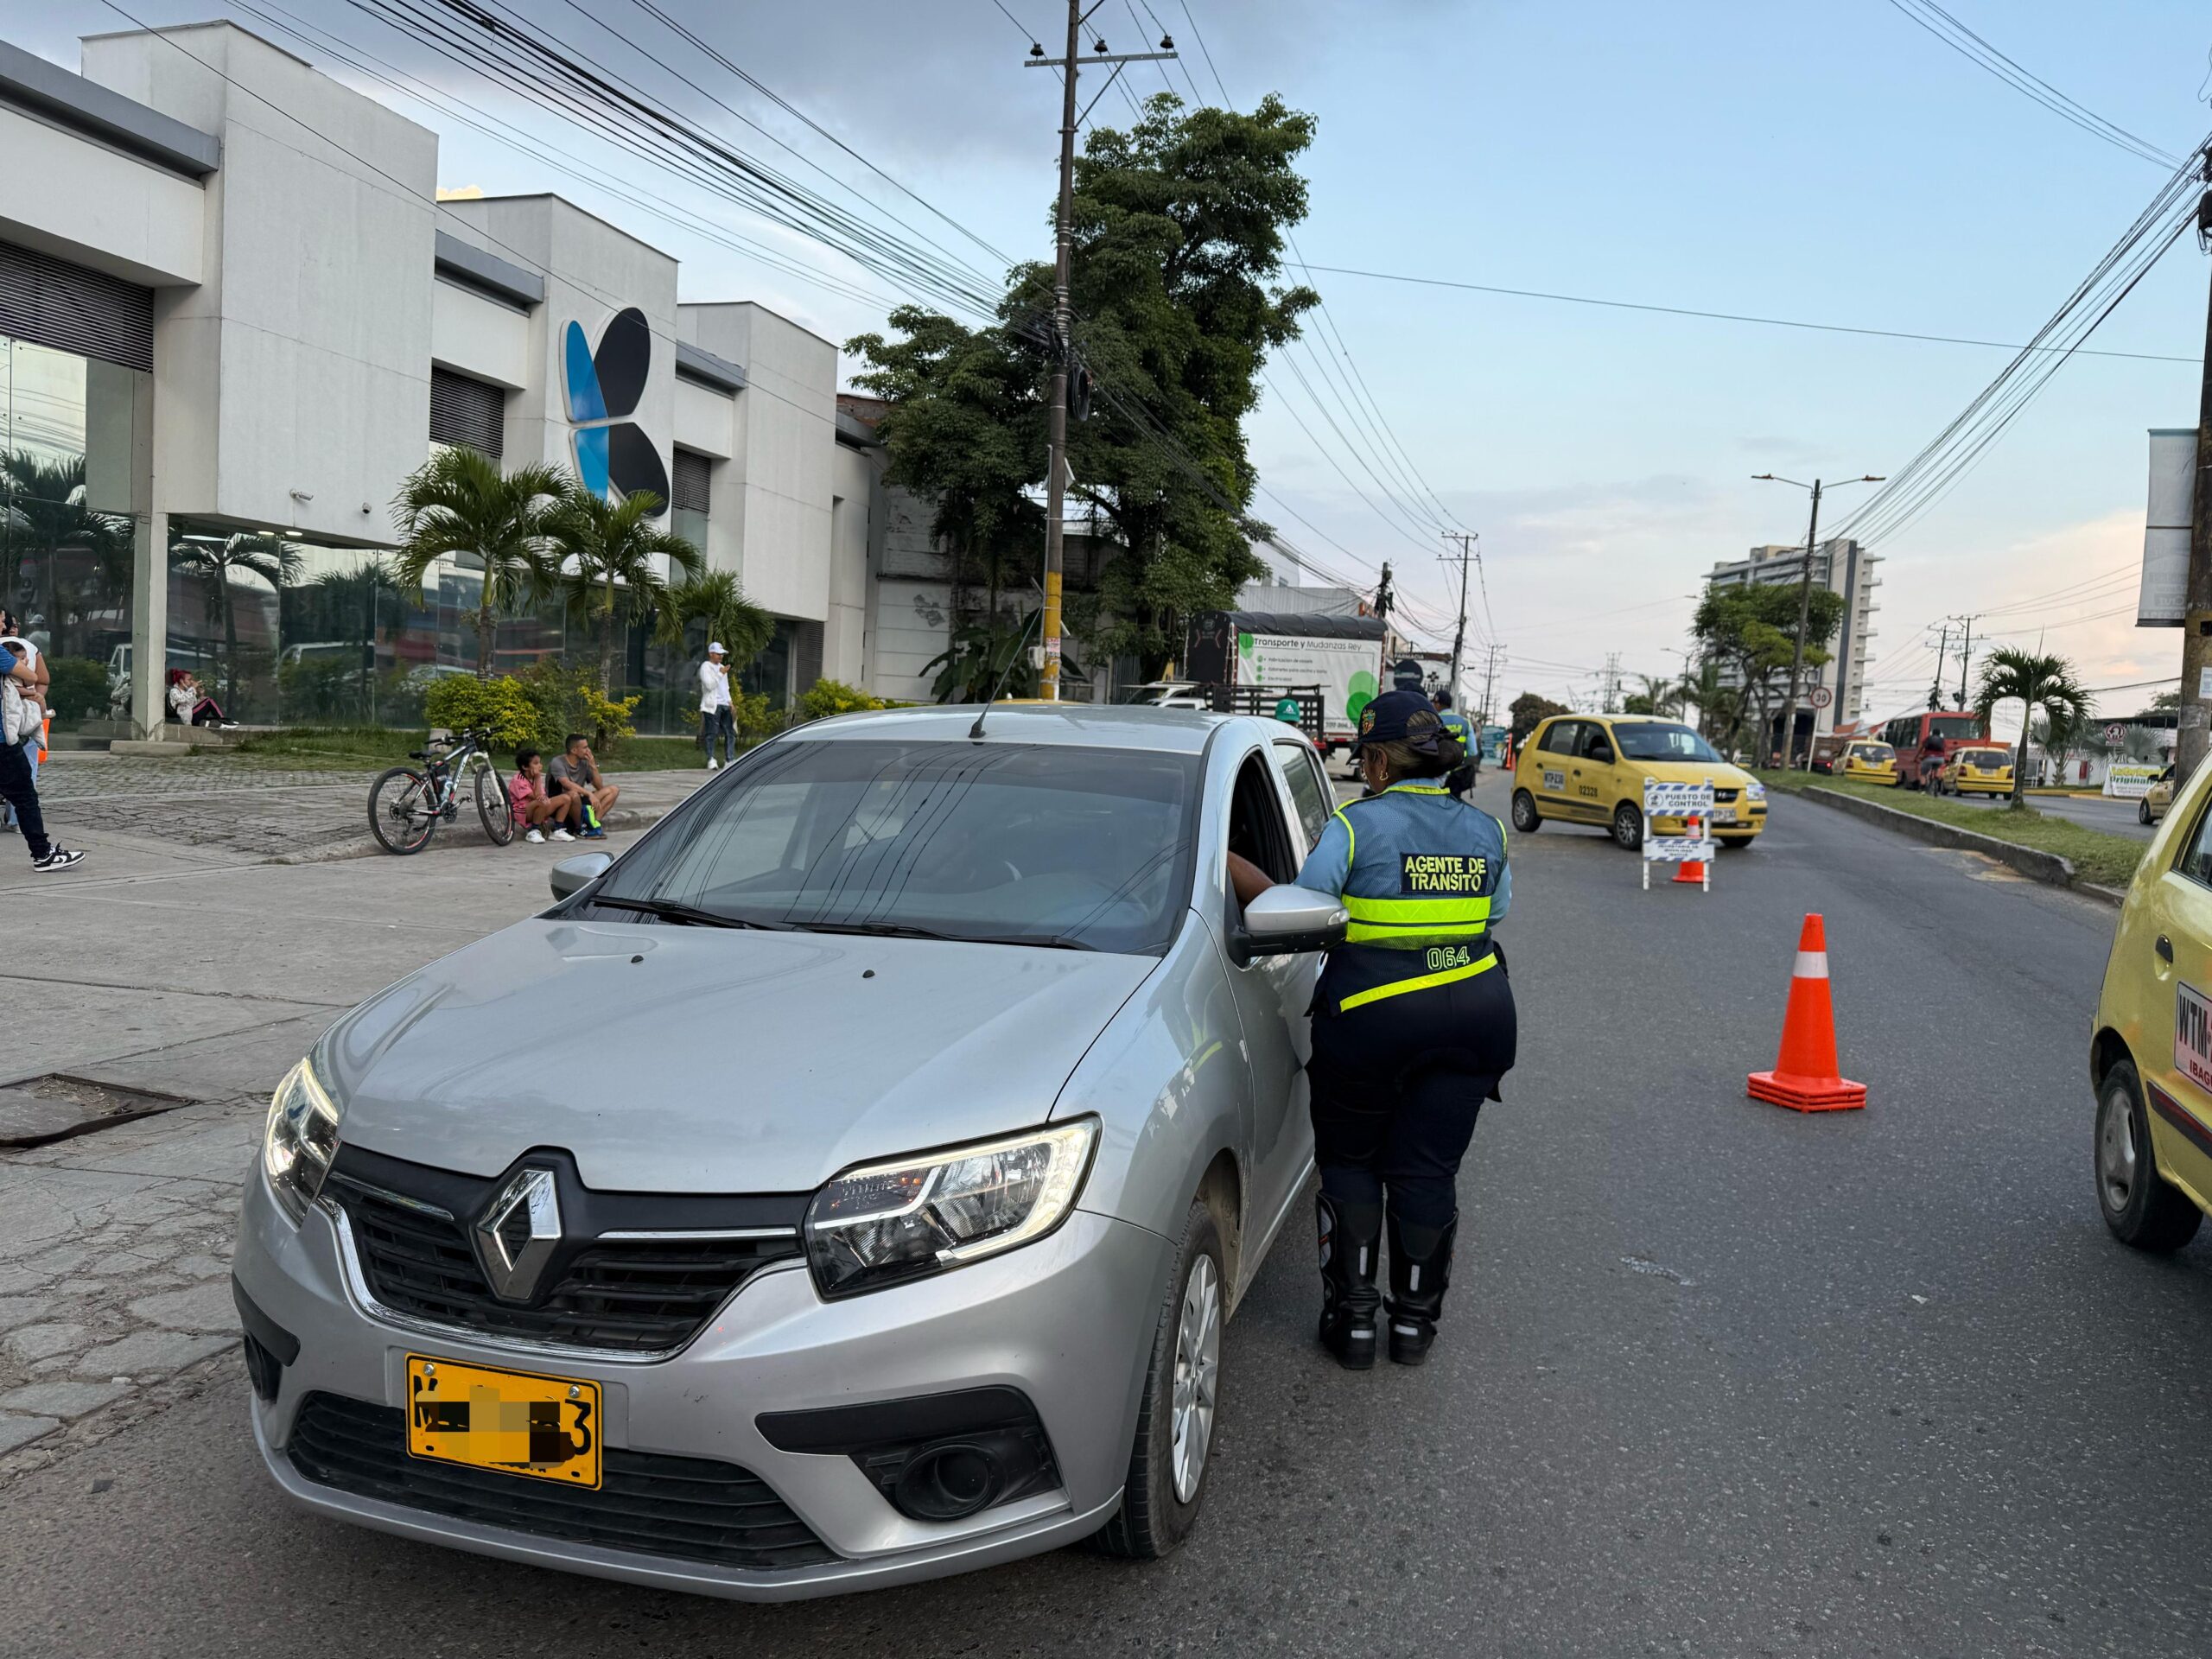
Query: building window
x=464, y=411
x=693, y=485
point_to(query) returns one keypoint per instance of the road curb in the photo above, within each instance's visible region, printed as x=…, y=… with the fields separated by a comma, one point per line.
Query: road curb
x=368, y=846
x=2054, y=868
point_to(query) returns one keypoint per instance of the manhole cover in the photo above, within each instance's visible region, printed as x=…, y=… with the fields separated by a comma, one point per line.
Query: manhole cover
x=55, y=1106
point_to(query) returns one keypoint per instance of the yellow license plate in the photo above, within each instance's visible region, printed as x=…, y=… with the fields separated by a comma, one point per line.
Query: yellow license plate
x=513, y=1421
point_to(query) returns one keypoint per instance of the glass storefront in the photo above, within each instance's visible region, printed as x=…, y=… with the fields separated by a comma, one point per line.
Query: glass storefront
x=72, y=448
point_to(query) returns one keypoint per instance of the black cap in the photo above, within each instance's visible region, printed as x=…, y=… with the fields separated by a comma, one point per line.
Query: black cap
x=1399, y=716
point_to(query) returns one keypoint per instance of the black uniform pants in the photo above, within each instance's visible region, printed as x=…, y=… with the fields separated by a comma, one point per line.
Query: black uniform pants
x=1397, y=1085
x=19, y=791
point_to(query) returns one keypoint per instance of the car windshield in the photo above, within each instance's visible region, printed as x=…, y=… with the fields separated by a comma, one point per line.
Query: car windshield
x=1660, y=740
x=1081, y=849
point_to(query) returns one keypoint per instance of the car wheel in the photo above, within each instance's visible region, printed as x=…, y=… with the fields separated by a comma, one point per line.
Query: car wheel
x=1526, y=818
x=2138, y=1206
x=2142, y=812
x=1627, y=826
x=1175, y=1427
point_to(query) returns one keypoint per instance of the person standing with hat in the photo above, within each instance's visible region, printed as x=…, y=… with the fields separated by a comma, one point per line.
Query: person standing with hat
x=1461, y=778
x=715, y=719
x=1413, y=1026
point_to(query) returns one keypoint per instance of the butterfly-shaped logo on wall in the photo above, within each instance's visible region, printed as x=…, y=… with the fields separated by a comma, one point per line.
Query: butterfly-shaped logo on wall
x=604, y=387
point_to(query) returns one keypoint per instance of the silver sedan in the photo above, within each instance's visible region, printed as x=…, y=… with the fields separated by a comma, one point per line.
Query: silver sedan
x=848, y=1185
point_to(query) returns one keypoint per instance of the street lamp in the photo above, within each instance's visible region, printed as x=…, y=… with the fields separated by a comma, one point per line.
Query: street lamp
x=1805, y=599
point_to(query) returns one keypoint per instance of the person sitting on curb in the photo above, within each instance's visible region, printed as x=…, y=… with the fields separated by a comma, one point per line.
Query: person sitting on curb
x=533, y=808
x=575, y=773
x=19, y=791
x=190, y=701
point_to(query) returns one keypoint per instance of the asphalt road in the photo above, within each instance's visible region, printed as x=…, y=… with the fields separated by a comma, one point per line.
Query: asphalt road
x=1715, y=1378
x=2115, y=816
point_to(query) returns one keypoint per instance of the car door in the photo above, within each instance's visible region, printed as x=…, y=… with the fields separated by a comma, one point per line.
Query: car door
x=1273, y=995
x=2174, y=1002
x=1557, y=757
x=1598, y=780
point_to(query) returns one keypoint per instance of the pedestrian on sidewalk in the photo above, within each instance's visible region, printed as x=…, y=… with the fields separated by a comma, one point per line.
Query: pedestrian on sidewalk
x=715, y=719
x=574, y=772
x=34, y=740
x=534, y=810
x=16, y=786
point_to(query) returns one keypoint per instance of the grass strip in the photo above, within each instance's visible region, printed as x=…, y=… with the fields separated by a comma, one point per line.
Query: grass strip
x=2096, y=855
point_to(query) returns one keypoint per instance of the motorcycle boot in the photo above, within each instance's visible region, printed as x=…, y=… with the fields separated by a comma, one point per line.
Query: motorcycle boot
x=1421, y=1271
x=1351, y=1238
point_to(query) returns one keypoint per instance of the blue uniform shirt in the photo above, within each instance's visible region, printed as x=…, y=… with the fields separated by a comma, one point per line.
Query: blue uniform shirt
x=1363, y=852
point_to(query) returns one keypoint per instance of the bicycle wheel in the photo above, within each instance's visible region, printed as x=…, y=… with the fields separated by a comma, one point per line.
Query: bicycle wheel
x=494, y=807
x=401, y=812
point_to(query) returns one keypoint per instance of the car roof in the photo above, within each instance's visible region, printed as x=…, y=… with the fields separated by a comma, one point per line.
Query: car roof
x=1070, y=725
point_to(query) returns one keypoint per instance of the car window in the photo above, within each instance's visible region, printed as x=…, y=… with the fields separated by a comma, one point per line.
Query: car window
x=1306, y=788
x=1560, y=737
x=1596, y=746
x=1661, y=739
x=2195, y=861
x=1256, y=830
x=1002, y=843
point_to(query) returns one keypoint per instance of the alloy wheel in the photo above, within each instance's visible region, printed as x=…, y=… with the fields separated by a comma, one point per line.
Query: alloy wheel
x=2116, y=1151
x=1197, y=1374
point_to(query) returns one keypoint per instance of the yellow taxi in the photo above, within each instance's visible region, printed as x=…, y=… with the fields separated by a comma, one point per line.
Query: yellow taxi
x=2150, y=1047
x=2158, y=799
x=1591, y=768
x=1868, y=763
x=1982, y=769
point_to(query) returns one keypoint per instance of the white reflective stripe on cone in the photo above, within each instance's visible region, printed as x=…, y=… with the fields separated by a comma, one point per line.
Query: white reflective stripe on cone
x=1812, y=964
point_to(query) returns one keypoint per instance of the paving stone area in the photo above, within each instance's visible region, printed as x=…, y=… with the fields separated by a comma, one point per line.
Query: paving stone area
x=114, y=1265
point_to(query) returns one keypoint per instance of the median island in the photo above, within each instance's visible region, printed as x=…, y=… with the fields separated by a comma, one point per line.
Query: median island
x=2106, y=860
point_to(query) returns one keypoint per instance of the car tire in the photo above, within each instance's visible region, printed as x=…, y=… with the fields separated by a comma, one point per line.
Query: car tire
x=2142, y=812
x=1627, y=827
x=2138, y=1206
x=1160, y=1499
x=1526, y=818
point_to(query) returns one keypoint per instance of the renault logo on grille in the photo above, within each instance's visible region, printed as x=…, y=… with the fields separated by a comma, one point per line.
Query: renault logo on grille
x=515, y=1235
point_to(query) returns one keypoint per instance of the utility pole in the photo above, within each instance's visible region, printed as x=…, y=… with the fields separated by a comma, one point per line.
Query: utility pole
x=1804, y=609
x=1056, y=428
x=1459, y=635
x=1966, y=653
x=1490, y=685
x=1943, y=657
x=2196, y=709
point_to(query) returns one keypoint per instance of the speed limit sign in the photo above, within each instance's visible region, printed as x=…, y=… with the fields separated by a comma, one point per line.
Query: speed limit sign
x=1823, y=697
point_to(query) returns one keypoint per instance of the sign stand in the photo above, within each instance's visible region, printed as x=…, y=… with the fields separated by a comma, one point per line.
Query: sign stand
x=1692, y=805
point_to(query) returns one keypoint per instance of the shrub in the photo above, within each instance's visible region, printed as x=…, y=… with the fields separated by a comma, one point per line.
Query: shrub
x=76, y=688
x=569, y=700
x=500, y=706
x=829, y=697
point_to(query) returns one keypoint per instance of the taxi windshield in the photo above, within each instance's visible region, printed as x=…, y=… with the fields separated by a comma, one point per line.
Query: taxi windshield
x=1660, y=740
x=1076, y=847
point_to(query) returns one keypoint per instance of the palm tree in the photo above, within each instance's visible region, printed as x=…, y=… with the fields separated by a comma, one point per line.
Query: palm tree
x=249, y=553
x=715, y=599
x=610, y=570
x=42, y=508
x=2046, y=683
x=459, y=502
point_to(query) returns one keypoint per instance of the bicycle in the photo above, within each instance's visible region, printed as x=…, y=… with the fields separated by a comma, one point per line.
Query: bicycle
x=407, y=803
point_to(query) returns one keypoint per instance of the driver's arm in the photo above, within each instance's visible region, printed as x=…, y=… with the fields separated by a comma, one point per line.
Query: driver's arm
x=1246, y=880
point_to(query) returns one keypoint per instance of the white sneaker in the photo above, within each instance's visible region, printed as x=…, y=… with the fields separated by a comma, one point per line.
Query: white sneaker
x=712, y=763
x=563, y=834
x=536, y=835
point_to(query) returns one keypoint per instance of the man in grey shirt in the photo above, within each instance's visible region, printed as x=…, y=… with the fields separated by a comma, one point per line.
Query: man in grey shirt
x=574, y=772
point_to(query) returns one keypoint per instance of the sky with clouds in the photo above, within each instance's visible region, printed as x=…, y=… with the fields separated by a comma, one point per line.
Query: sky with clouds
x=1829, y=164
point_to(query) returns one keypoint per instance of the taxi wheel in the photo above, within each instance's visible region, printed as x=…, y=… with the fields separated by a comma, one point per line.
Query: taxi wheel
x=1627, y=826
x=2142, y=812
x=2138, y=1206
x=1526, y=818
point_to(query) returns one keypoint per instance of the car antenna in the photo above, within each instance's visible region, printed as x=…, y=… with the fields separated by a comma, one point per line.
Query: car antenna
x=976, y=730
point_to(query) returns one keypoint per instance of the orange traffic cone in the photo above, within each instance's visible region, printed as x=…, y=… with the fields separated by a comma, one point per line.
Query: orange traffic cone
x=1690, y=869
x=1805, y=1076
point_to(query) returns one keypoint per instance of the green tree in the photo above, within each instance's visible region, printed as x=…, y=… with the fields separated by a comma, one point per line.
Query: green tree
x=459, y=502
x=1178, y=296
x=43, y=511
x=2046, y=683
x=250, y=553
x=716, y=598
x=1752, y=631
x=1529, y=711
x=611, y=556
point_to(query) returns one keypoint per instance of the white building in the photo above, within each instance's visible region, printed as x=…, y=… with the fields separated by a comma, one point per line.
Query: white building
x=234, y=316
x=1847, y=569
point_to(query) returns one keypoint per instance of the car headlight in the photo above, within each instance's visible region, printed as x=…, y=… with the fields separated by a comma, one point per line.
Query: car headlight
x=1754, y=791
x=300, y=1138
x=885, y=1223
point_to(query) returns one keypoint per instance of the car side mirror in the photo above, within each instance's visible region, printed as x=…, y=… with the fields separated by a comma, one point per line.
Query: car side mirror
x=1602, y=755
x=573, y=875
x=1287, y=921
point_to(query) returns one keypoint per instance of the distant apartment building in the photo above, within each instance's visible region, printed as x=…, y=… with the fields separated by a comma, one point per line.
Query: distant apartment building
x=1847, y=569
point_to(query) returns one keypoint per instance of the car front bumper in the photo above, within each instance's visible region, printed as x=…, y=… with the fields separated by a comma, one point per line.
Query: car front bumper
x=1068, y=1321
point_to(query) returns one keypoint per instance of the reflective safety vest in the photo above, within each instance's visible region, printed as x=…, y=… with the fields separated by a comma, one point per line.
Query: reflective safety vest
x=1458, y=726
x=1423, y=878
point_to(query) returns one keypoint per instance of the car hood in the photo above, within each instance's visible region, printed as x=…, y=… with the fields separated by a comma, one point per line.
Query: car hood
x=1695, y=771
x=692, y=1059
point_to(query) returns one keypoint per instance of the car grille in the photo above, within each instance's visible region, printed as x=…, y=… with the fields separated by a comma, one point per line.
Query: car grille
x=633, y=1296
x=689, y=1509
x=1722, y=796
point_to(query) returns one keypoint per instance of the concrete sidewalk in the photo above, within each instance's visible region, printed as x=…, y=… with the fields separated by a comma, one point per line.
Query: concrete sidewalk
x=200, y=970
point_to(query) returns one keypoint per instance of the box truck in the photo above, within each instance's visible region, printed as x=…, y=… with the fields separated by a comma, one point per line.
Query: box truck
x=1342, y=655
